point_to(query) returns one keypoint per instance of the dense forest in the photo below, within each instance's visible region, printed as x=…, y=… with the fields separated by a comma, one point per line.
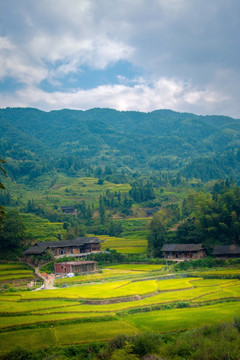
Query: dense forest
x=100, y=142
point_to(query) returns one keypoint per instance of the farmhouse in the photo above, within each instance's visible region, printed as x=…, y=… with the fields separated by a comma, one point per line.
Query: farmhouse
x=68, y=210
x=82, y=267
x=79, y=247
x=183, y=251
x=226, y=251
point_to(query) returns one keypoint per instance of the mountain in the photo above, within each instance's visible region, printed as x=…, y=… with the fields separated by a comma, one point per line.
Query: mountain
x=194, y=146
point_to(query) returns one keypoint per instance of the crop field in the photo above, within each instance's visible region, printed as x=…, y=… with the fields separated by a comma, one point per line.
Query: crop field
x=99, y=312
x=65, y=334
x=11, y=267
x=127, y=245
x=41, y=229
x=28, y=306
x=220, y=273
x=136, y=267
x=103, y=275
x=14, y=272
x=99, y=291
x=69, y=191
x=182, y=319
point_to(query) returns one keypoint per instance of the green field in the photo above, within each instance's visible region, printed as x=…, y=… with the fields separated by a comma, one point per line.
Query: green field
x=103, y=275
x=182, y=319
x=156, y=305
x=137, y=267
x=68, y=191
x=99, y=291
x=41, y=229
x=220, y=273
x=65, y=334
x=14, y=273
x=125, y=245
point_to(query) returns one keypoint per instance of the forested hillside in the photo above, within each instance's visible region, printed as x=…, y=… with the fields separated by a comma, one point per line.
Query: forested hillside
x=203, y=147
x=116, y=170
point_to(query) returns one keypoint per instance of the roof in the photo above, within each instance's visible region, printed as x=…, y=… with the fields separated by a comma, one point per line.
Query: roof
x=182, y=247
x=39, y=247
x=77, y=263
x=226, y=249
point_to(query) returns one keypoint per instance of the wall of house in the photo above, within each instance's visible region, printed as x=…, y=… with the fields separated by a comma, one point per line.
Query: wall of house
x=184, y=255
x=61, y=268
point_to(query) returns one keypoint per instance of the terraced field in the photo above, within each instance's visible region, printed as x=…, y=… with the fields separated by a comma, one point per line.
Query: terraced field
x=14, y=273
x=123, y=271
x=125, y=245
x=98, y=312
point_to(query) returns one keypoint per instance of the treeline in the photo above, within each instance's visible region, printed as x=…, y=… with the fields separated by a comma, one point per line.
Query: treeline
x=208, y=218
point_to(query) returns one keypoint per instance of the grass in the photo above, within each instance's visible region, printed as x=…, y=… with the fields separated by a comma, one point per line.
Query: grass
x=182, y=319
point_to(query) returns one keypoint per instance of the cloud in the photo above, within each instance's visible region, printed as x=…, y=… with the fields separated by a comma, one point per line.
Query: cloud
x=164, y=93
x=188, y=53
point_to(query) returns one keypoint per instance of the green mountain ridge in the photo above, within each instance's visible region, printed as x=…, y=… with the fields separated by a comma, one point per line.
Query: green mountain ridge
x=161, y=140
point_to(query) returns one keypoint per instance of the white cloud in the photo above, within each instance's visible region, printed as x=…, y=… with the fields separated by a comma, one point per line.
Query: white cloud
x=188, y=51
x=165, y=93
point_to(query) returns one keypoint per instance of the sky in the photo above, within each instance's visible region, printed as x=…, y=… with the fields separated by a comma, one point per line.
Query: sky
x=140, y=55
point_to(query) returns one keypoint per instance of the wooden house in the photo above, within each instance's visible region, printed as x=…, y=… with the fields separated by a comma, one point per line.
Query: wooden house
x=79, y=247
x=81, y=267
x=226, y=251
x=183, y=251
x=68, y=210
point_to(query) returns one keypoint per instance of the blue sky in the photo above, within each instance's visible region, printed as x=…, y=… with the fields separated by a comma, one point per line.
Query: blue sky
x=139, y=55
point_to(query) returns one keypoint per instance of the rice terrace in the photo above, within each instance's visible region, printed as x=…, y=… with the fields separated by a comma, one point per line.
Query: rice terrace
x=99, y=309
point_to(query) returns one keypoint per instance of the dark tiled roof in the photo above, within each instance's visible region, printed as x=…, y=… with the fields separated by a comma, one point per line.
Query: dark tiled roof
x=182, y=247
x=226, y=249
x=40, y=247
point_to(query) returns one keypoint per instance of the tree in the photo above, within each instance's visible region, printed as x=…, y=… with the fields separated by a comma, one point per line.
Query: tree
x=101, y=210
x=13, y=230
x=158, y=233
x=2, y=209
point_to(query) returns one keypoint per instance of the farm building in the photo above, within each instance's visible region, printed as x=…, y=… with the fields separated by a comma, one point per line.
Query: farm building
x=68, y=210
x=183, y=251
x=81, y=267
x=79, y=247
x=226, y=251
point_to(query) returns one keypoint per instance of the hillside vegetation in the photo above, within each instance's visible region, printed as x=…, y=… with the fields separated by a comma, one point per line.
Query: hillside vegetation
x=35, y=142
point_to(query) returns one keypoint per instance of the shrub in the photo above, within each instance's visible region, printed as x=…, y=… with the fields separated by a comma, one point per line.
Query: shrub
x=146, y=343
x=236, y=322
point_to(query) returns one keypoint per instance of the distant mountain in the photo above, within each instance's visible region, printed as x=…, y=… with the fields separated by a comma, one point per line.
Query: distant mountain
x=205, y=147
